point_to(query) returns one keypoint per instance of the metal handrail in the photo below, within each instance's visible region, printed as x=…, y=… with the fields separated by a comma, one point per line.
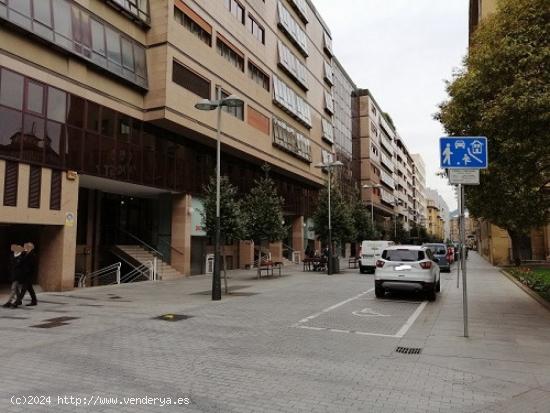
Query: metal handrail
x=139, y=271
x=171, y=247
x=101, y=273
x=144, y=244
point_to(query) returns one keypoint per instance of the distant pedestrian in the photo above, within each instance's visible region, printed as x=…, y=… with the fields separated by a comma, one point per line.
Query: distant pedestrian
x=15, y=270
x=30, y=268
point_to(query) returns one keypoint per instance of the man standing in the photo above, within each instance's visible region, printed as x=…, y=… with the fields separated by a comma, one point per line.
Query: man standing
x=30, y=267
x=15, y=270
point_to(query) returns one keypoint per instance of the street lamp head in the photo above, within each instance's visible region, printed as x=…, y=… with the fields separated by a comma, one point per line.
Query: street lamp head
x=206, y=104
x=372, y=186
x=329, y=164
x=232, y=101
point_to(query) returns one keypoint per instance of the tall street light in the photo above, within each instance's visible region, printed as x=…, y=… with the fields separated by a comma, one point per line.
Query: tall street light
x=328, y=166
x=372, y=202
x=207, y=104
x=397, y=203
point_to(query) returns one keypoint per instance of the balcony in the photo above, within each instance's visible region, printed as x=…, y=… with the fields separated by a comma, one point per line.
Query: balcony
x=387, y=179
x=387, y=196
x=386, y=143
x=386, y=161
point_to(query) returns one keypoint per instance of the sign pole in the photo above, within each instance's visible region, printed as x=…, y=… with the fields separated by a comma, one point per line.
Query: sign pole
x=463, y=260
x=458, y=262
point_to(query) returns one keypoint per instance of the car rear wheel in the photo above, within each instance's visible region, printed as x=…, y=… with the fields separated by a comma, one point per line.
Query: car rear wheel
x=438, y=286
x=362, y=270
x=379, y=291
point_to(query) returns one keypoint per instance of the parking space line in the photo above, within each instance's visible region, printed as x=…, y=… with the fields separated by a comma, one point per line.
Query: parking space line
x=411, y=320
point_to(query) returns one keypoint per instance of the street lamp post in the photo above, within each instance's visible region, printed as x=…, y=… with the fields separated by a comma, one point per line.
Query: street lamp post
x=328, y=166
x=207, y=104
x=372, y=202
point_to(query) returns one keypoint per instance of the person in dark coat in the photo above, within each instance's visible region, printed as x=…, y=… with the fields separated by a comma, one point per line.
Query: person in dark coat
x=15, y=273
x=28, y=274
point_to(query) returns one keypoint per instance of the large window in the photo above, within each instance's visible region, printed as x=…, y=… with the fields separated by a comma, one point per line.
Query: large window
x=137, y=9
x=286, y=98
x=258, y=75
x=292, y=66
x=230, y=54
x=257, y=31
x=292, y=29
x=73, y=29
x=236, y=9
x=290, y=140
x=190, y=80
x=199, y=29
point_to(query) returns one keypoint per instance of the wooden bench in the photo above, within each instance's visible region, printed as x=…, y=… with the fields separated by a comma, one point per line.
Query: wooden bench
x=315, y=264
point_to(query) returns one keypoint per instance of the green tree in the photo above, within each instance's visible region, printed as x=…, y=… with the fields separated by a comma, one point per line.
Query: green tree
x=263, y=212
x=361, y=216
x=502, y=92
x=231, y=220
x=343, y=229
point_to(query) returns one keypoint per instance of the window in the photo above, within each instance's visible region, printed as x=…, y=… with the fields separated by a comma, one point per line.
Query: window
x=292, y=29
x=138, y=9
x=290, y=140
x=292, y=65
x=301, y=9
x=236, y=9
x=327, y=44
x=258, y=76
x=190, y=81
x=403, y=255
x=237, y=111
x=195, y=26
x=230, y=54
x=69, y=26
x=329, y=103
x=328, y=131
x=35, y=97
x=11, y=89
x=257, y=31
x=328, y=74
x=287, y=99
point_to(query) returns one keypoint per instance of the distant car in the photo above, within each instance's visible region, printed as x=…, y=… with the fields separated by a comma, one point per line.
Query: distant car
x=370, y=252
x=439, y=251
x=409, y=267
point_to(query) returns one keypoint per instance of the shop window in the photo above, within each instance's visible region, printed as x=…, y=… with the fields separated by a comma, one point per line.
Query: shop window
x=10, y=132
x=92, y=122
x=35, y=98
x=73, y=149
x=53, y=144
x=75, y=114
x=33, y=138
x=57, y=104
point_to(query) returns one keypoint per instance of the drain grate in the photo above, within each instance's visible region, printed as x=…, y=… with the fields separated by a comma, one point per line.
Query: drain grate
x=408, y=350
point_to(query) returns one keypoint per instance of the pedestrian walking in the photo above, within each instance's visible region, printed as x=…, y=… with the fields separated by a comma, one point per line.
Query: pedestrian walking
x=28, y=274
x=15, y=269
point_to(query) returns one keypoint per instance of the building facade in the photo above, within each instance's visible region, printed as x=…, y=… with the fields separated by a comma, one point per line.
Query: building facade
x=438, y=215
x=383, y=164
x=101, y=144
x=419, y=179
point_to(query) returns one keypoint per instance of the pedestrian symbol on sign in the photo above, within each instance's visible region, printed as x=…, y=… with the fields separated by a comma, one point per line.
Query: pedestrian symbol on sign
x=447, y=155
x=466, y=159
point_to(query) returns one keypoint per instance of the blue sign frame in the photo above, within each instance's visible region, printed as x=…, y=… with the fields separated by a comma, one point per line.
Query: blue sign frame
x=463, y=152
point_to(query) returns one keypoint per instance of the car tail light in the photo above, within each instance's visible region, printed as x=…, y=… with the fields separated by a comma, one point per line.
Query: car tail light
x=380, y=263
x=426, y=265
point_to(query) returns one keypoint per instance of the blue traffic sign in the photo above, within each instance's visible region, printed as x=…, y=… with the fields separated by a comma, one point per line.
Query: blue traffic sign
x=463, y=152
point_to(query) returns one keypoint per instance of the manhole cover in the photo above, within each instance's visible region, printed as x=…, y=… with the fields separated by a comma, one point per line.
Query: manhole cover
x=408, y=350
x=173, y=317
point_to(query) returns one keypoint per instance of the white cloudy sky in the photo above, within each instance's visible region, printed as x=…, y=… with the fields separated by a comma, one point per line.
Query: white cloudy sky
x=402, y=51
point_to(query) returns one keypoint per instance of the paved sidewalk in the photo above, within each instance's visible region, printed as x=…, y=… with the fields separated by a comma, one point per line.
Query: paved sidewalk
x=247, y=354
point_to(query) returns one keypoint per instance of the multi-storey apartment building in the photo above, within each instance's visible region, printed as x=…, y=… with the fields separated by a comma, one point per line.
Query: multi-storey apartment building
x=383, y=163
x=438, y=214
x=419, y=178
x=100, y=141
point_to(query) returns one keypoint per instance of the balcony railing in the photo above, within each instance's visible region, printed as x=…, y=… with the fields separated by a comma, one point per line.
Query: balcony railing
x=386, y=161
x=387, y=179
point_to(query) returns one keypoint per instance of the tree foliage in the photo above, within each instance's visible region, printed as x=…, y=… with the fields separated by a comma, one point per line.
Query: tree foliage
x=263, y=211
x=362, y=220
x=231, y=219
x=343, y=229
x=502, y=92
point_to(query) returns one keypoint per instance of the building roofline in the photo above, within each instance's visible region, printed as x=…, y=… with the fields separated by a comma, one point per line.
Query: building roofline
x=341, y=68
x=318, y=15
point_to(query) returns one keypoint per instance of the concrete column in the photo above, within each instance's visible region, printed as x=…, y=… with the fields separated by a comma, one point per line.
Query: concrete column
x=181, y=233
x=246, y=254
x=298, y=235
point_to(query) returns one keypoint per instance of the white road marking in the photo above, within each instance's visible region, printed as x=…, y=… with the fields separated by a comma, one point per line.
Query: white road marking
x=365, y=312
x=411, y=320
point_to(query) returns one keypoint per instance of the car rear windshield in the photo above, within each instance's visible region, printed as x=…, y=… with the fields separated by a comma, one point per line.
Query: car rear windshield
x=403, y=255
x=438, y=249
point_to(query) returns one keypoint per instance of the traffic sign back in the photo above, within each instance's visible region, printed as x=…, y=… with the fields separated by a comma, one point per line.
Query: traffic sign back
x=463, y=152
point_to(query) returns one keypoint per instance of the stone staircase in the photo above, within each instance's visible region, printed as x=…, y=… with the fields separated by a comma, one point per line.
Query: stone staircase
x=141, y=255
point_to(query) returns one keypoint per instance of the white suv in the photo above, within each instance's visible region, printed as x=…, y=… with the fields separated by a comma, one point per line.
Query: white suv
x=409, y=267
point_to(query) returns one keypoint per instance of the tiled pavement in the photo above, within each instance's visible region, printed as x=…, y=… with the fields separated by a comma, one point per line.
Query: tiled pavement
x=246, y=354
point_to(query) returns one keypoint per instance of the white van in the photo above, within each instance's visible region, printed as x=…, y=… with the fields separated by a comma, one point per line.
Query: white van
x=370, y=252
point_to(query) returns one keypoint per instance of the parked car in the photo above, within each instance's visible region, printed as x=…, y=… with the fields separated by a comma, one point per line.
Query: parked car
x=439, y=251
x=409, y=267
x=370, y=252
